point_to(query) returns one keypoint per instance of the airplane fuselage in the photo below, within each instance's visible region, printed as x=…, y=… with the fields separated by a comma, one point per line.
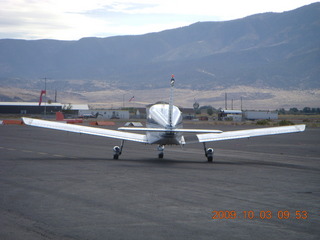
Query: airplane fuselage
x=157, y=117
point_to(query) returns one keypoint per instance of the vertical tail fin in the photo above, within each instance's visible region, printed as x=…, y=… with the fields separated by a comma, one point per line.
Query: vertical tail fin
x=59, y=116
x=171, y=100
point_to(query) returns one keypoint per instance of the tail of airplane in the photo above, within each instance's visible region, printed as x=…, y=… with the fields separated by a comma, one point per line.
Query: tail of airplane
x=59, y=116
x=171, y=101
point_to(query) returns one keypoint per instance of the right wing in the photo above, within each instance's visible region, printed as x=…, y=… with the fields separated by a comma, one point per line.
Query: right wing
x=86, y=130
x=209, y=137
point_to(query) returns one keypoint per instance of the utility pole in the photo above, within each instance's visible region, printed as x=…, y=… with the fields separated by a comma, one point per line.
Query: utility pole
x=45, y=94
x=225, y=101
x=45, y=97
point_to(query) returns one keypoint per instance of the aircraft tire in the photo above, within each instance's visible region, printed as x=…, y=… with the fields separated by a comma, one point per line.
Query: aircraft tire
x=115, y=156
x=160, y=155
x=210, y=159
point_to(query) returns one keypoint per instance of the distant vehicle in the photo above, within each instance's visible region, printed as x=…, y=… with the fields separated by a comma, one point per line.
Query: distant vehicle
x=164, y=127
x=60, y=117
x=90, y=115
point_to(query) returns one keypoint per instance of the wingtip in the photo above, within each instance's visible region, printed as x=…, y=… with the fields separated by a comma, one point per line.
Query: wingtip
x=302, y=127
x=26, y=121
x=299, y=128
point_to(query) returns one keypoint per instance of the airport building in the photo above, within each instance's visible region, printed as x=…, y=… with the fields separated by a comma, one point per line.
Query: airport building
x=105, y=114
x=28, y=108
x=230, y=115
x=238, y=115
x=260, y=115
x=35, y=108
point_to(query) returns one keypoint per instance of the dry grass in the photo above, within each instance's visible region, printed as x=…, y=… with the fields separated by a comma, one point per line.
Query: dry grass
x=253, y=98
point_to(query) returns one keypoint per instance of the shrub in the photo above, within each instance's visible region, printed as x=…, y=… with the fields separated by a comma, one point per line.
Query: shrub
x=263, y=122
x=285, y=123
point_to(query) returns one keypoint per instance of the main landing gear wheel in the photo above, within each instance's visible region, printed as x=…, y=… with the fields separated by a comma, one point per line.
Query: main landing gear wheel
x=208, y=152
x=160, y=149
x=117, y=150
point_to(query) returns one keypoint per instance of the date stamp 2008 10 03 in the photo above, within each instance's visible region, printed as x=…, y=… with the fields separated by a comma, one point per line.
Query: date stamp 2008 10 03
x=281, y=214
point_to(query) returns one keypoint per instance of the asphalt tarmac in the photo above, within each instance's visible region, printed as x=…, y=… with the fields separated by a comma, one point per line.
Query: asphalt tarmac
x=59, y=185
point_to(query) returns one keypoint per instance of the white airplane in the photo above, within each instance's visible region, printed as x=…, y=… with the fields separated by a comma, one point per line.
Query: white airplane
x=164, y=127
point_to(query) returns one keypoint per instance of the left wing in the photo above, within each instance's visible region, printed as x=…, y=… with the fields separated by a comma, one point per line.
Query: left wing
x=86, y=130
x=209, y=137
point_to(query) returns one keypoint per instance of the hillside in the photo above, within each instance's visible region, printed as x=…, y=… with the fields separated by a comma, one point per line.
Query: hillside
x=269, y=50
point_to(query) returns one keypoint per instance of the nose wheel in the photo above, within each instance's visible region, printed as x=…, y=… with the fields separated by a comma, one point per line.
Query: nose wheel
x=160, y=149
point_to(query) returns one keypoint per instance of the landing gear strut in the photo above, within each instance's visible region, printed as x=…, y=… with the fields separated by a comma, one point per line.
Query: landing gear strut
x=160, y=149
x=117, y=150
x=208, y=152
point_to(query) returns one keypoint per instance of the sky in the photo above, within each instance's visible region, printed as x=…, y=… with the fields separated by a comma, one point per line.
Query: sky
x=75, y=19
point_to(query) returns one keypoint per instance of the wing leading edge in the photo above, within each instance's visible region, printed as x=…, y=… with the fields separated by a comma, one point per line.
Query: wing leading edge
x=183, y=130
x=210, y=137
x=86, y=130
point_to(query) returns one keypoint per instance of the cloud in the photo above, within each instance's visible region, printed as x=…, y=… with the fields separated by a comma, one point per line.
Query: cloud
x=48, y=19
x=74, y=19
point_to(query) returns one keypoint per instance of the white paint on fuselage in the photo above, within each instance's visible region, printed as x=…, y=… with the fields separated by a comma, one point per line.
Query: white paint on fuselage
x=158, y=117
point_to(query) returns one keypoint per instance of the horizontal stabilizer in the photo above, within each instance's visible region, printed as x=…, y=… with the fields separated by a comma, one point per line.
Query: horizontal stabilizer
x=170, y=130
x=250, y=133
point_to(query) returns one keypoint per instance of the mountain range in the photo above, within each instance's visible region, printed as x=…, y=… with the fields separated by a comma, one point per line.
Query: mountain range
x=268, y=50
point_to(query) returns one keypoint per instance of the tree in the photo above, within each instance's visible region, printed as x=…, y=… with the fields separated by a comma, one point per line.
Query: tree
x=281, y=111
x=306, y=110
x=294, y=110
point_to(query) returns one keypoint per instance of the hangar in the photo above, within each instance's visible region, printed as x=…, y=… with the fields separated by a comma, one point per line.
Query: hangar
x=28, y=107
x=106, y=114
x=35, y=108
x=258, y=115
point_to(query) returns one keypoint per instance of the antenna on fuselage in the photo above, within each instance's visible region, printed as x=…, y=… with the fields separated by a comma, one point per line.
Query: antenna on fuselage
x=171, y=100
